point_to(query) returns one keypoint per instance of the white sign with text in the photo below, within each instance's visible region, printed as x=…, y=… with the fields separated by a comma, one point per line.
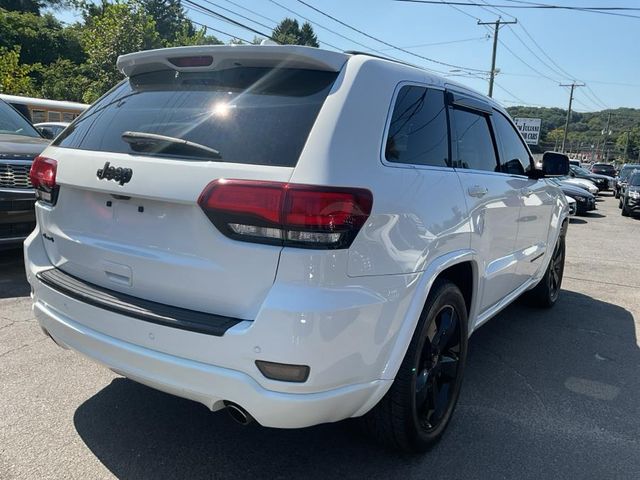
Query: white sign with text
x=529, y=128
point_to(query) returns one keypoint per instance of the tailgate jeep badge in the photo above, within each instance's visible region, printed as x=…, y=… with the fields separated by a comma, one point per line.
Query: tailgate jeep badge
x=117, y=174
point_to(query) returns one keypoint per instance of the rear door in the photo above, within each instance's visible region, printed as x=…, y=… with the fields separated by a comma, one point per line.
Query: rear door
x=493, y=199
x=127, y=216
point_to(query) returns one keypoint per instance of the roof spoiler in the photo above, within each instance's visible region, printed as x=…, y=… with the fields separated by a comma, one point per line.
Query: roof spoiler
x=216, y=57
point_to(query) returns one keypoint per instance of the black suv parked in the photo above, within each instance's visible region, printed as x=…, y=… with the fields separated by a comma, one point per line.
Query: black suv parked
x=630, y=203
x=622, y=179
x=604, y=169
x=603, y=182
x=20, y=142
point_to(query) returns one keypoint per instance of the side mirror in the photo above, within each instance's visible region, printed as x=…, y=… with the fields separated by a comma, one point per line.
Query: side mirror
x=555, y=164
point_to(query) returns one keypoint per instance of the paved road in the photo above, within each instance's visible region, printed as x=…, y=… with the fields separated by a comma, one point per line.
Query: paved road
x=548, y=394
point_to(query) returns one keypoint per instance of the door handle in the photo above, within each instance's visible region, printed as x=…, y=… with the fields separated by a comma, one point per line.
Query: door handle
x=477, y=191
x=526, y=192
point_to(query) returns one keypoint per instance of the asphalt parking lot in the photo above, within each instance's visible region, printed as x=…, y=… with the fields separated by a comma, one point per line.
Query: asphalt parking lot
x=547, y=394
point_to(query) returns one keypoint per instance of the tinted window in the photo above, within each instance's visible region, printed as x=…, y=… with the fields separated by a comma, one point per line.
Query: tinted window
x=418, y=129
x=11, y=122
x=514, y=156
x=473, y=142
x=250, y=115
x=635, y=179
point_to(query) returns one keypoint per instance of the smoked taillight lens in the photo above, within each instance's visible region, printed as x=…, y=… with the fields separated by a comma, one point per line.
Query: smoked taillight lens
x=43, y=178
x=276, y=213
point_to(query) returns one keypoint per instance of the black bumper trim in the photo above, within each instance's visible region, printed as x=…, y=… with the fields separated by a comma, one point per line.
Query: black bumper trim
x=135, y=307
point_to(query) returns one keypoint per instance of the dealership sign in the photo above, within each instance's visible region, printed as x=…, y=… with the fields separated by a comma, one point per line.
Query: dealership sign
x=530, y=129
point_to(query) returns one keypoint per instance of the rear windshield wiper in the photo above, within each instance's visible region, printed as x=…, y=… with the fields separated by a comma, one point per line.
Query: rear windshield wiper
x=154, y=143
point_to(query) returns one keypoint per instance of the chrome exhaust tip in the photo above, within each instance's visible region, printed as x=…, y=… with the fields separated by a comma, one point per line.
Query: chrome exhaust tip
x=238, y=413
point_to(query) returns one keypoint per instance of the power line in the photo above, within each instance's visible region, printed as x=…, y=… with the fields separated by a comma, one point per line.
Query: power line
x=251, y=11
x=237, y=14
x=526, y=64
x=449, y=42
x=227, y=19
x=387, y=43
x=326, y=28
x=530, y=5
x=218, y=31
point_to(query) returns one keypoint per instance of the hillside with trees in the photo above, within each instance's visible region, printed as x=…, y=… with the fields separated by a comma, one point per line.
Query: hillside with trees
x=587, y=130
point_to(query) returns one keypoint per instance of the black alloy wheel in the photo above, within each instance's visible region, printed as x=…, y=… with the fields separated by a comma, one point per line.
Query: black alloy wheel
x=438, y=369
x=556, y=270
x=414, y=413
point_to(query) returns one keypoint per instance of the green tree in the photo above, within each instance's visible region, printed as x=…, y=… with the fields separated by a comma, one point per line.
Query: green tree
x=42, y=38
x=307, y=36
x=122, y=28
x=631, y=141
x=14, y=76
x=288, y=32
x=63, y=80
x=31, y=6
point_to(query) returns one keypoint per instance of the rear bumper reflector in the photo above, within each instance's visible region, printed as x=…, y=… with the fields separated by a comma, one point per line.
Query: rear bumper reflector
x=138, y=308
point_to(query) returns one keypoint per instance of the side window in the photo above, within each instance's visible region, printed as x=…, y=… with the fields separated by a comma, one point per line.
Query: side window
x=418, y=130
x=473, y=143
x=514, y=156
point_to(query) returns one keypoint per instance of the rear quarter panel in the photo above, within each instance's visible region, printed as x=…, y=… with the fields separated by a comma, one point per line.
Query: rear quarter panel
x=419, y=213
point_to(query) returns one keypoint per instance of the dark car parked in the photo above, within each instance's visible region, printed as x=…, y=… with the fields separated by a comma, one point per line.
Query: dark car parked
x=603, y=182
x=20, y=142
x=585, y=201
x=622, y=179
x=604, y=169
x=630, y=203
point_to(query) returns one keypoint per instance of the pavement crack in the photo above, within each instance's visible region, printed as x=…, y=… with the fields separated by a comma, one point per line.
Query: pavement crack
x=521, y=376
x=4, y=354
x=626, y=285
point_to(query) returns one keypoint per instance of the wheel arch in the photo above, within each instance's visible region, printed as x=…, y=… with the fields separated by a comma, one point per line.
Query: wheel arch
x=460, y=268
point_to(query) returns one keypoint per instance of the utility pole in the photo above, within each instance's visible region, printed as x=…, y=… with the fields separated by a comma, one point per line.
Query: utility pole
x=496, y=29
x=606, y=134
x=566, y=123
x=626, y=148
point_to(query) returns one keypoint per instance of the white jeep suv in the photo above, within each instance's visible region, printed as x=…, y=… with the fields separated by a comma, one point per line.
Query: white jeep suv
x=300, y=236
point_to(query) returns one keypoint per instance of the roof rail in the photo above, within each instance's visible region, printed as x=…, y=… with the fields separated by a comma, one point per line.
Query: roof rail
x=382, y=57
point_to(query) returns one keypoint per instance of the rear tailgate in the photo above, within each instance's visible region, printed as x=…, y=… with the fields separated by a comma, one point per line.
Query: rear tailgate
x=149, y=238
x=143, y=233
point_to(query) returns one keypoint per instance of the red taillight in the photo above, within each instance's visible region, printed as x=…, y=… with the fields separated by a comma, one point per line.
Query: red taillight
x=286, y=214
x=196, y=61
x=43, y=178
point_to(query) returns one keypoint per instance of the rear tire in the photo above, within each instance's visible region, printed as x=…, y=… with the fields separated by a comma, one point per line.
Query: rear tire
x=625, y=212
x=545, y=294
x=416, y=410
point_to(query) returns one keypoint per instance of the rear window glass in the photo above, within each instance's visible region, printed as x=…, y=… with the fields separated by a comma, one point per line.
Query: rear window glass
x=249, y=115
x=418, y=129
x=11, y=122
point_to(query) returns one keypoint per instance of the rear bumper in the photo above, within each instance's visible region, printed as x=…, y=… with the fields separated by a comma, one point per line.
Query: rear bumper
x=17, y=216
x=207, y=384
x=345, y=334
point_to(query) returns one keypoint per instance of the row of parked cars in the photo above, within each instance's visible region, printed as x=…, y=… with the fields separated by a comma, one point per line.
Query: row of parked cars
x=600, y=177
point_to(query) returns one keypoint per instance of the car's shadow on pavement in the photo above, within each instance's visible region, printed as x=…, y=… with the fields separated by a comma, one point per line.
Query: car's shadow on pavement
x=13, y=281
x=547, y=394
